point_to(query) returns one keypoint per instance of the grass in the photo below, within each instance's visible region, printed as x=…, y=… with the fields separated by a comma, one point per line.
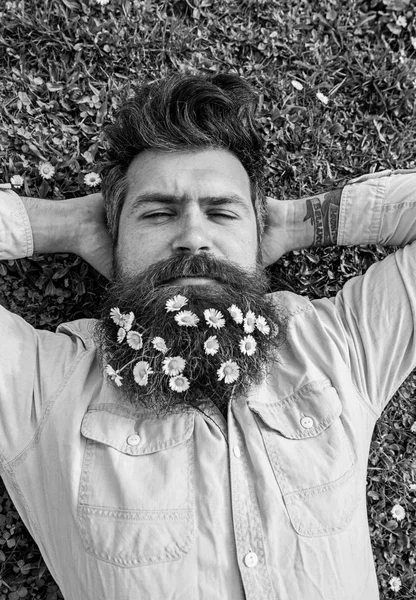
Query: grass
x=65, y=65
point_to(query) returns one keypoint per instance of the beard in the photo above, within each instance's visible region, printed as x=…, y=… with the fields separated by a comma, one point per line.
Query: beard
x=180, y=362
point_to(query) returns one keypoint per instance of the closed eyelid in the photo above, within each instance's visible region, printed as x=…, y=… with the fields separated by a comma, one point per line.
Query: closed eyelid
x=144, y=200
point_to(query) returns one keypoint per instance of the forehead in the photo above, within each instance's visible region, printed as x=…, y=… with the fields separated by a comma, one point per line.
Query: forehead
x=196, y=174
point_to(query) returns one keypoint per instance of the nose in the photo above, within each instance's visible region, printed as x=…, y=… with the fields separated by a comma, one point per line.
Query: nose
x=193, y=236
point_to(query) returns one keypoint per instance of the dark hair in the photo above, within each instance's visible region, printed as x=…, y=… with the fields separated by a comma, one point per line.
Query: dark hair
x=184, y=113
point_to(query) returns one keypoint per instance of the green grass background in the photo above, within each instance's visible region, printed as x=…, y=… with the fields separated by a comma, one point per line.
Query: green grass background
x=65, y=65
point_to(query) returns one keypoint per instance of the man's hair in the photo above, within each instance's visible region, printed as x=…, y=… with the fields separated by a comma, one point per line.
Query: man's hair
x=184, y=113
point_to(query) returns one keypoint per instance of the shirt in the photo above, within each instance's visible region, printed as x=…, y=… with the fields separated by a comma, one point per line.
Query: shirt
x=269, y=504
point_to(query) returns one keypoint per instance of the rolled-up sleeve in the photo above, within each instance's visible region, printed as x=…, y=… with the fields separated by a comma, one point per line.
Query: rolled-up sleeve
x=16, y=238
x=379, y=208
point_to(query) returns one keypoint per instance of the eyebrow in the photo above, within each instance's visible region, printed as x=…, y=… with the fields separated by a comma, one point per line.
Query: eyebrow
x=160, y=198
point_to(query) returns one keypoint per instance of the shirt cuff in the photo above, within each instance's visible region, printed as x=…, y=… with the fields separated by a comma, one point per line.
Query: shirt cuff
x=16, y=237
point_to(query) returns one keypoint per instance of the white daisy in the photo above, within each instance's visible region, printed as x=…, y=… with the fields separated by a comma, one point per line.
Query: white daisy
x=173, y=365
x=262, y=325
x=160, y=344
x=186, y=318
x=92, y=179
x=117, y=316
x=229, y=371
x=249, y=321
x=236, y=313
x=46, y=170
x=214, y=318
x=395, y=584
x=141, y=372
x=17, y=180
x=176, y=303
x=398, y=512
x=114, y=375
x=135, y=340
x=127, y=320
x=180, y=383
x=121, y=334
x=248, y=345
x=211, y=345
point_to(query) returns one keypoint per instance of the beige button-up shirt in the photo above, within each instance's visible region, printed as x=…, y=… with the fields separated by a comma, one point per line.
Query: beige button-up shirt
x=268, y=505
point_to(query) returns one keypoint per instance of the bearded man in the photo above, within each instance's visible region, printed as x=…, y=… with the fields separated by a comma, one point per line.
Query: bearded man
x=204, y=438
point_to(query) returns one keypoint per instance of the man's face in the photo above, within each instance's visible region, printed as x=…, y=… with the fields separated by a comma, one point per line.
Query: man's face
x=186, y=204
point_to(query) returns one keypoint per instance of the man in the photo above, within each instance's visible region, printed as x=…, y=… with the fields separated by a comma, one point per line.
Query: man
x=202, y=438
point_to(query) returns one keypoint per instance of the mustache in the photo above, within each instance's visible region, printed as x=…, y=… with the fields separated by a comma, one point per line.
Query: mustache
x=203, y=265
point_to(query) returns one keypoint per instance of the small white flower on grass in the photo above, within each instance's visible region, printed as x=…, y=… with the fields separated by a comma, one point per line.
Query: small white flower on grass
x=17, y=181
x=180, y=383
x=46, y=170
x=173, y=365
x=113, y=375
x=214, y=318
x=322, y=98
x=262, y=325
x=236, y=313
x=401, y=21
x=141, y=372
x=92, y=179
x=248, y=345
x=211, y=345
x=160, y=344
x=186, y=318
x=229, y=371
x=135, y=340
x=413, y=428
x=249, y=322
x=395, y=584
x=176, y=303
x=121, y=334
x=398, y=512
x=297, y=84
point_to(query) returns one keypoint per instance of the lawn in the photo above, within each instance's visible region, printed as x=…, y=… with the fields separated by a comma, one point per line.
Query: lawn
x=336, y=81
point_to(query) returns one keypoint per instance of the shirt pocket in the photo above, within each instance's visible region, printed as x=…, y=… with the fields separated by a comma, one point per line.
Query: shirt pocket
x=136, y=493
x=312, y=458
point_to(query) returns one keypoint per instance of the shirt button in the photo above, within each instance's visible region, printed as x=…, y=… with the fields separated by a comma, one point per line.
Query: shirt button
x=133, y=440
x=251, y=559
x=237, y=452
x=306, y=422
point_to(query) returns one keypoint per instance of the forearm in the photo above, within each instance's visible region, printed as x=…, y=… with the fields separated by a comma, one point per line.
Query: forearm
x=378, y=208
x=29, y=225
x=55, y=225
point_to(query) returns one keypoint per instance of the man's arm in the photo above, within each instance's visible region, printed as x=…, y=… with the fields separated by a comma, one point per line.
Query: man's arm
x=379, y=208
x=76, y=225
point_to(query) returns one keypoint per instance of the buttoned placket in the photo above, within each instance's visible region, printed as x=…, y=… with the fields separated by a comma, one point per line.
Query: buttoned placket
x=248, y=531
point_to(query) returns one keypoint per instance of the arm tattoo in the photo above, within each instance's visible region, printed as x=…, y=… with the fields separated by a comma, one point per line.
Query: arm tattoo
x=324, y=217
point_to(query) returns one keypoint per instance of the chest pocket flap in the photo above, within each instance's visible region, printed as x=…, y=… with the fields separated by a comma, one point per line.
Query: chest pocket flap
x=312, y=457
x=139, y=435
x=305, y=413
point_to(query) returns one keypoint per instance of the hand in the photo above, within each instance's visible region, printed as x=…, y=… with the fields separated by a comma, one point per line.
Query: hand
x=286, y=229
x=275, y=242
x=94, y=243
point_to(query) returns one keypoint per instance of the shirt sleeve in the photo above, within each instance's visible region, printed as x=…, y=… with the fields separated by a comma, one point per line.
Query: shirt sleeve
x=16, y=238
x=374, y=317
x=379, y=208
x=30, y=374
